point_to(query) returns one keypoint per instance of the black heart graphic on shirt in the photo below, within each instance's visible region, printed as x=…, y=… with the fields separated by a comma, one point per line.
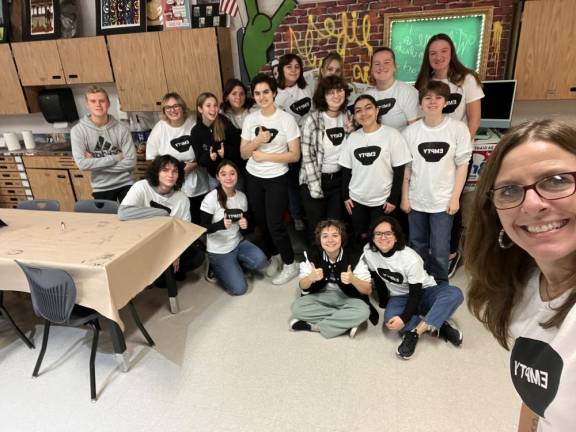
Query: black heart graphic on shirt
x=154, y=204
x=367, y=155
x=536, y=370
x=233, y=214
x=302, y=106
x=335, y=135
x=181, y=144
x=390, y=276
x=433, y=151
x=273, y=132
x=452, y=103
x=385, y=105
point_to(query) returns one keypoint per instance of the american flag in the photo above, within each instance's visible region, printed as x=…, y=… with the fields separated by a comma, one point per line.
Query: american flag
x=229, y=7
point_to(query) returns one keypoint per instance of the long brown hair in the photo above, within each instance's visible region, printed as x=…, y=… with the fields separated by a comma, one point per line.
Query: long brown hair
x=498, y=276
x=218, y=127
x=221, y=194
x=456, y=70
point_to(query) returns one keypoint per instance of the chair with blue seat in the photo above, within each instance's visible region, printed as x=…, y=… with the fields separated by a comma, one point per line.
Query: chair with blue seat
x=53, y=294
x=5, y=314
x=49, y=205
x=96, y=206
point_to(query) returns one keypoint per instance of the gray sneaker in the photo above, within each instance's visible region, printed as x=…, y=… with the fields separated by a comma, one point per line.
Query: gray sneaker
x=289, y=272
x=274, y=266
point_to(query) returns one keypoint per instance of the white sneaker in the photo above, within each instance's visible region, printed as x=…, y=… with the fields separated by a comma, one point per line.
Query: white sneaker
x=289, y=272
x=273, y=266
x=353, y=331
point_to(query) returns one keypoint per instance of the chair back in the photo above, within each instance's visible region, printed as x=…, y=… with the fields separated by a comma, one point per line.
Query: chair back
x=53, y=292
x=51, y=205
x=96, y=206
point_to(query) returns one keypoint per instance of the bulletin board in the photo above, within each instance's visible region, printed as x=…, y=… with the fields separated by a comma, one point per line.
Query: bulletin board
x=408, y=33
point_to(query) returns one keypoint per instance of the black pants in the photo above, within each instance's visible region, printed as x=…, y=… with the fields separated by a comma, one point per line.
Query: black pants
x=268, y=198
x=362, y=217
x=195, y=203
x=112, y=194
x=329, y=207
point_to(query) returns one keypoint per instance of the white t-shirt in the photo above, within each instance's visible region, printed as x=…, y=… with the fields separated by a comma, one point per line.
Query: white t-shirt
x=398, y=104
x=141, y=194
x=295, y=101
x=468, y=92
x=436, y=153
x=283, y=128
x=543, y=361
x=175, y=141
x=225, y=240
x=404, y=267
x=334, y=137
x=371, y=157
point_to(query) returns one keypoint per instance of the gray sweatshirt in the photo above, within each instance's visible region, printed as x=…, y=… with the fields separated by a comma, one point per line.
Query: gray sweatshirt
x=104, y=143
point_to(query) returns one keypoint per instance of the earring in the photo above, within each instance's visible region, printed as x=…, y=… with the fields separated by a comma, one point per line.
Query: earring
x=502, y=238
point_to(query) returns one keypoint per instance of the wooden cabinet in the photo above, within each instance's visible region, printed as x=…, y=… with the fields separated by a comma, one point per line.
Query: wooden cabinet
x=12, y=99
x=147, y=66
x=66, y=61
x=14, y=184
x=81, y=184
x=546, y=51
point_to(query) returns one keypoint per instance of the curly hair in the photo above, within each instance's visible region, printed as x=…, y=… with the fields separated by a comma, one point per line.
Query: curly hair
x=396, y=229
x=332, y=82
x=158, y=164
x=327, y=223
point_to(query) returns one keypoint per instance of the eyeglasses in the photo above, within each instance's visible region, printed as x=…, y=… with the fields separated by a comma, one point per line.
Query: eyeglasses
x=175, y=107
x=550, y=188
x=380, y=234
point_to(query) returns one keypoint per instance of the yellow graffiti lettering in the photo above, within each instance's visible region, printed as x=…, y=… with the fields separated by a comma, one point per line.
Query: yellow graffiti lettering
x=348, y=36
x=496, y=42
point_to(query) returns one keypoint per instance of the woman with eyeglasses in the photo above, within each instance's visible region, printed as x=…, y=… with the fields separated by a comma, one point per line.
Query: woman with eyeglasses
x=415, y=304
x=521, y=256
x=171, y=136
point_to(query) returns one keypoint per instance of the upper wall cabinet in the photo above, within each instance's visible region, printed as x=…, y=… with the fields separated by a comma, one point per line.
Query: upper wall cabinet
x=149, y=65
x=12, y=99
x=546, y=51
x=63, y=61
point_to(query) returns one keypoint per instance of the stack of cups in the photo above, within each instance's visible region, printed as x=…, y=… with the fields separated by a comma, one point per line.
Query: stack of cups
x=12, y=142
x=28, y=140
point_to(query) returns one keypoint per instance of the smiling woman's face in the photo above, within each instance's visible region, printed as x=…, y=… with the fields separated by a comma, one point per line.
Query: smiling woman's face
x=545, y=229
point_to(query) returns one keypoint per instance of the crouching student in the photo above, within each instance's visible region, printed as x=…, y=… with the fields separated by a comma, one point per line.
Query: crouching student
x=413, y=292
x=334, y=299
x=159, y=195
x=223, y=213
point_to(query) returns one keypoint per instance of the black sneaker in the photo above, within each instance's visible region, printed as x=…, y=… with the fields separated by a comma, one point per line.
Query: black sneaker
x=298, y=325
x=453, y=264
x=450, y=333
x=406, y=349
x=209, y=275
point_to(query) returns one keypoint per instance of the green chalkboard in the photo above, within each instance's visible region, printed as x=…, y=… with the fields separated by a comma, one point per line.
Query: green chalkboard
x=407, y=34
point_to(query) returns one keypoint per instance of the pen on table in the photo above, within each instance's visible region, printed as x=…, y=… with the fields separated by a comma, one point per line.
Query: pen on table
x=62, y=226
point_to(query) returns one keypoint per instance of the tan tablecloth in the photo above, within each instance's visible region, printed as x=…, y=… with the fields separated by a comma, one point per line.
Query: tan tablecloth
x=110, y=261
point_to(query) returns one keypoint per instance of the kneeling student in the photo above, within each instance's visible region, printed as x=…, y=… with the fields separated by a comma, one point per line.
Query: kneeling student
x=159, y=195
x=413, y=292
x=222, y=212
x=334, y=299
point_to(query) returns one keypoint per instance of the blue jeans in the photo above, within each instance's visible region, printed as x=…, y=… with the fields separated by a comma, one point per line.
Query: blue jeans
x=430, y=237
x=437, y=305
x=228, y=267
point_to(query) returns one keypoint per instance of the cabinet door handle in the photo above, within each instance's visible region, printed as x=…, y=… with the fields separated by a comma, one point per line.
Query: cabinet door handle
x=9, y=184
x=573, y=89
x=78, y=176
x=72, y=76
x=56, y=77
x=61, y=176
x=11, y=191
x=158, y=103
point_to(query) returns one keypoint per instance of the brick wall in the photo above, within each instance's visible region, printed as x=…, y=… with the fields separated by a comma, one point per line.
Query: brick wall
x=350, y=19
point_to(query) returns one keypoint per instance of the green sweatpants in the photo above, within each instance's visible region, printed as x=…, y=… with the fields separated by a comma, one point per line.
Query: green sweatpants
x=332, y=311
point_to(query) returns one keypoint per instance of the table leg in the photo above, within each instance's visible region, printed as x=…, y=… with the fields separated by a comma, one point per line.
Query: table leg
x=172, y=291
x=119, y=344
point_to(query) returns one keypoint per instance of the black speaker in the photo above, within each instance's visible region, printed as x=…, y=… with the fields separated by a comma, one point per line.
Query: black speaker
x=58, y=105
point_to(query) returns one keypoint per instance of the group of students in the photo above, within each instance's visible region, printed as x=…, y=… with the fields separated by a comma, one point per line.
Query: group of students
x=294, y=146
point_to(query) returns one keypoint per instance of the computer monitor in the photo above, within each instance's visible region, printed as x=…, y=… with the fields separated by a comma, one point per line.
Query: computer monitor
x=497, y=103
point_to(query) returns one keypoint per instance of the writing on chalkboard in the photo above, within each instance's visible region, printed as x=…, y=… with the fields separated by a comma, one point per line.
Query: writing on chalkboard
x=408, y=33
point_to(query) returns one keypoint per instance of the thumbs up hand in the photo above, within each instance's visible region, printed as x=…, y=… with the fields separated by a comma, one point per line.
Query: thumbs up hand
x=347, y=276
x=317, y=274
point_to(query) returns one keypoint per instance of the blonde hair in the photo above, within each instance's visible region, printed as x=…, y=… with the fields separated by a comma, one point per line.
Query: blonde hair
x=218, y=126
x=179, y=100
x=95, y=89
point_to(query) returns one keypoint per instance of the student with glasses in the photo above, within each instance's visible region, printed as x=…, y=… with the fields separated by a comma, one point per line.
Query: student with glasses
x=171, y=136
x=416, y=303
x=520, y=253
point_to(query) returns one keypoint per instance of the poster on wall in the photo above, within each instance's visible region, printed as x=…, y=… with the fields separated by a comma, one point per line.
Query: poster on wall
x=40, y=19
x=176, y=14
x=154, y=17
x=120, y=16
